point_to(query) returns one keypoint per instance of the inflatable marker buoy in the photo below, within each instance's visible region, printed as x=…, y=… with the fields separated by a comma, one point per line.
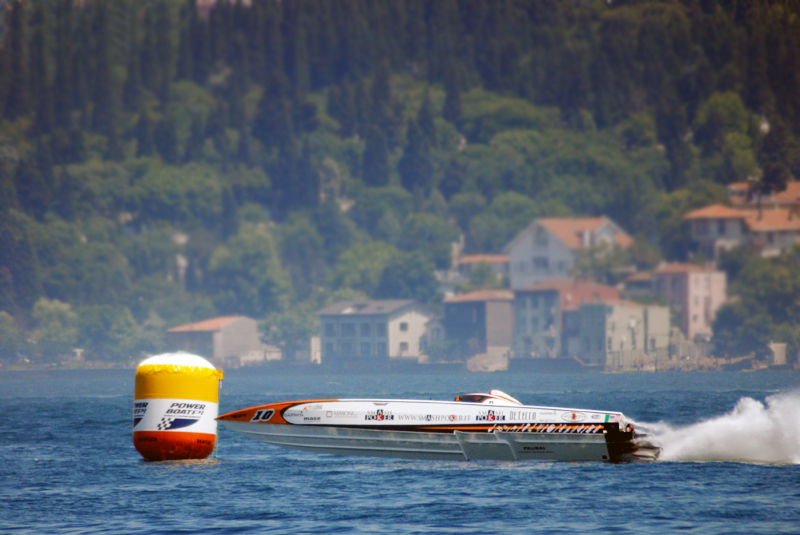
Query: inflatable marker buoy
x=174, y=407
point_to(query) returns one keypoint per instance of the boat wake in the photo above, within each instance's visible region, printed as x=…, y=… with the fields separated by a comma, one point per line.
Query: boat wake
x=753, y=432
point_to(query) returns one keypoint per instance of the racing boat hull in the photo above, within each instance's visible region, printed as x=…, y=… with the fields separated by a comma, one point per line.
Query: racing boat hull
x=494, y=429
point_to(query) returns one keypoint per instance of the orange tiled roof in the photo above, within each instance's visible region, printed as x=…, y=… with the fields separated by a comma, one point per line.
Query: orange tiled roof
x=715, y=211
x=482, y=295
x=639, y=277
x=788, y=196
x=677, y=267
x=211, y=325
x=569, y=230
x=574, y=292
x=488, y=258
x=772, y=220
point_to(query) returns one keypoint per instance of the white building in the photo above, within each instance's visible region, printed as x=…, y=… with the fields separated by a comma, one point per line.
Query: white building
x=623, y=335
x=233, y=340
x=372, y=330
x=547, y=248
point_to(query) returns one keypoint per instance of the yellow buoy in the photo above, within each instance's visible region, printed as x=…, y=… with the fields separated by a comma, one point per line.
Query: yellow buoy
x=174, y=407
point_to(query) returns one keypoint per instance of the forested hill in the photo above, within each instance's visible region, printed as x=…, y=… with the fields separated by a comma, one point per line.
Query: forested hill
x=164, y=161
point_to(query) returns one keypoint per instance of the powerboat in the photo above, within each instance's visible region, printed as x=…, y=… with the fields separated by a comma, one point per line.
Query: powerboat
x=477, y=426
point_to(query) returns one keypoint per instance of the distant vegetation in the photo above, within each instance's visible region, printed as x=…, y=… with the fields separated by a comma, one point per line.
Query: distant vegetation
x=161, y=164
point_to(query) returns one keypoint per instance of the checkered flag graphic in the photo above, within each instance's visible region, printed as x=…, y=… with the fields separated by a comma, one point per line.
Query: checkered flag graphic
x=165, y=423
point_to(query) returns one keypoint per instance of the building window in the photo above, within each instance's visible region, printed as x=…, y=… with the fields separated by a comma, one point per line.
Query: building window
x=652, y=343
x=330, y=348
x=534, y=324
x=535, y=301
x=348, y=347
x=366, y=329
x=701, y=227
x=380, y=330
x=633, y=341
x=528, y=344
x=599, y=343
x=694, y=318
x=381, y=349
x=675, y=284
x=404, y=326
x=770, y=237
x=366, y=349
x=403, y=346
x=541, y=263
x=721, y=227
x=561, y=267
x=330, y=329
x=588, y=343
x=610, y=344
x=348, y=329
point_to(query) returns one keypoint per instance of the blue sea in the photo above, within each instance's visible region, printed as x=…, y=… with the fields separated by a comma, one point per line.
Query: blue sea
x=730, y=462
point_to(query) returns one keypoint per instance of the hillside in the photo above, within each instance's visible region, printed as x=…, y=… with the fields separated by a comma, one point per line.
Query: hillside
x=161, y=164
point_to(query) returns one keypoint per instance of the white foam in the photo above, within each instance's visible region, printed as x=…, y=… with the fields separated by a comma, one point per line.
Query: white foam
x=752, y=432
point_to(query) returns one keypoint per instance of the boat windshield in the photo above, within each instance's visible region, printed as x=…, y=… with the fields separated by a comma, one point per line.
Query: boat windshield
x=474, y=398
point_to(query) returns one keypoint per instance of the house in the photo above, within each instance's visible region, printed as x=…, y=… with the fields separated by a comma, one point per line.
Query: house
x=481, y=322
x=694, y=292
x=740, y=197
x=770, y=230
x=546, y=319
x=372, y=331
x=230, y=339
x=622, y=334
x=547, y=248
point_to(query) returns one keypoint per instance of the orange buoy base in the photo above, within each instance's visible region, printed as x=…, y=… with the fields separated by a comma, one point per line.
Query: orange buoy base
x=173, y=445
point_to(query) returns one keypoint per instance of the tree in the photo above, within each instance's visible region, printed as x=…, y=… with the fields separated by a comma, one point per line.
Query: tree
x=411, y=276
x=291, y=331
x=300, y=246
x=18, y=102
x=246, y=276
x=109, y=333
x=145, y=143
x=57, y=331
x=361, y=267
x=415, y=167
x=166, y=140
x=10, y=338
x=430, y=236
x=19, y=257
x=375, y=164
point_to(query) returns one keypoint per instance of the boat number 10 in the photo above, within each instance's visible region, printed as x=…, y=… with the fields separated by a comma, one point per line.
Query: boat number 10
x=262, y=415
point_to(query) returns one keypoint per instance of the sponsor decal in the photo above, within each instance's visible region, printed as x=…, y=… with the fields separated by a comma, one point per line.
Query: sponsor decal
x=586, y=429
x=490, y=416
x=547, y=413
x=139, y=409
x=169, y=422
x=293, y=414
x=522, y=415
x=311, y=418
x=314, y=407
x=186, y=409
x=596, y=416
x=573, y=416
x=612, y=418
x=340, y=414
x=262, y=415
x=379, y=416
x=435, y=417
